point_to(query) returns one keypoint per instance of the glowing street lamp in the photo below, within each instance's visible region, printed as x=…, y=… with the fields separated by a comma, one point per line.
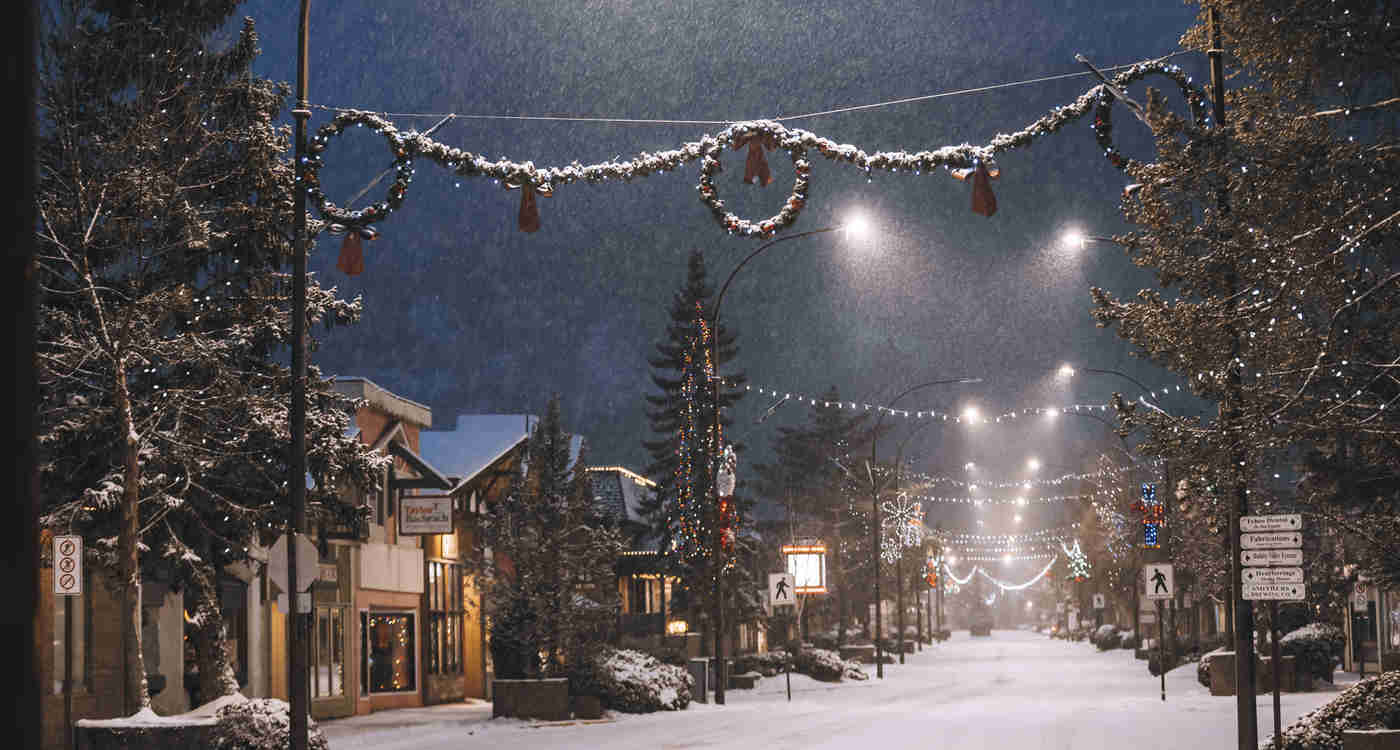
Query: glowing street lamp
x=1033, y=464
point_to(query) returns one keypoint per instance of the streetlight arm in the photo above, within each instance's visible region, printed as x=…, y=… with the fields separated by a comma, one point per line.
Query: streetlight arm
x=714, y=318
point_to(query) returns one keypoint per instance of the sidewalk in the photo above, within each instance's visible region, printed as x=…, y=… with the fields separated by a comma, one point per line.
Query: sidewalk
x=472, y=711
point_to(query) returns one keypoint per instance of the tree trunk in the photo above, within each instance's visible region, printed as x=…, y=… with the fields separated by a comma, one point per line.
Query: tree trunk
x=216, y=676
x=135, y=695
x=843, y=610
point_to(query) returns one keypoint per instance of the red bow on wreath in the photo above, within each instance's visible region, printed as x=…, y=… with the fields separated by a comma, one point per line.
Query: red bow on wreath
x=529, y=212
x=756, y=165
x=984, y=202
x=352, y=251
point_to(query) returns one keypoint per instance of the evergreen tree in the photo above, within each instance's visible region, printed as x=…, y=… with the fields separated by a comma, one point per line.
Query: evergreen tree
x=554, y=593
x=810, y=476
x=1278, y=237
x=683, y=510
x=163, y=202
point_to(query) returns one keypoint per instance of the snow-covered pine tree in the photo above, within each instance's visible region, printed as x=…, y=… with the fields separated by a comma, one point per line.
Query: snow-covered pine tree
x=164, y=202
x=1290, y=288
x=553, y=594
x=682, y=418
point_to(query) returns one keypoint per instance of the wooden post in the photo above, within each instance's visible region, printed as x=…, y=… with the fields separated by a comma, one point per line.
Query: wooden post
x=1273, y=637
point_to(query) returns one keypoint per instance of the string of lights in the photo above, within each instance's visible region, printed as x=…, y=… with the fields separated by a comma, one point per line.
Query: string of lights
x=969, y=416
x=1001, y=484
x=1002, y=585
x=958, y=537
x=1000, y=501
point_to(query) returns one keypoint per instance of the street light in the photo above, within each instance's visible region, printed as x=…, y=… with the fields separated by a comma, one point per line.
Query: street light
x=1033, y=464
x=875, y=526
x=1076, y=239
x=856, y=227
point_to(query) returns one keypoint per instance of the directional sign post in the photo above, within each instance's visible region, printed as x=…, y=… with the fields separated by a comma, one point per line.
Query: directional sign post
x=1272, y=541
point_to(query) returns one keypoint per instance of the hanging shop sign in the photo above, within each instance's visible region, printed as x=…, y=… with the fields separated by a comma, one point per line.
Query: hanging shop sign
x=1281, y=522
x=807, y=564
x=425, y=514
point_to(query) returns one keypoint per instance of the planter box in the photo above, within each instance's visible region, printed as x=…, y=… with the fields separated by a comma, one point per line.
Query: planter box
x=745, y=681
x=1371, y=739
x=174, y=737
x=587, y=707
x=531, y=699
x=865, y=654
x=1222, y=674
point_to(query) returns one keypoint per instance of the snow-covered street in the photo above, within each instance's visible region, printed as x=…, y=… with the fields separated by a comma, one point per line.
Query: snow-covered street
x=1013, y=690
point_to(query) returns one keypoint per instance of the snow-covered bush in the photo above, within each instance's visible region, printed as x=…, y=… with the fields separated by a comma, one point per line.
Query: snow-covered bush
x=1106, y=637
x=631, y=681
x=819, y=664
x=260, y=724
x=1373, y=703
x=1203, y=666
x=854, y=671
x=1314, y=648
x=766, y=664
x=1128, y=639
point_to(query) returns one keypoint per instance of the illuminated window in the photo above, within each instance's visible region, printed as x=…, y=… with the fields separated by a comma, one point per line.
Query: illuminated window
x=388, y=653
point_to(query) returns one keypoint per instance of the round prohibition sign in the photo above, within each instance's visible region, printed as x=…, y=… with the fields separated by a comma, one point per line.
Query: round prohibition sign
x=66, y=548
x=67, y=581
x=66, y=565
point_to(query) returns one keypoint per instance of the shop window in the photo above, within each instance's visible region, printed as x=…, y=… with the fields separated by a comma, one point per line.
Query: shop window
x=446, y=612
x=82, y=642
x=388, y=655
x=327, y=678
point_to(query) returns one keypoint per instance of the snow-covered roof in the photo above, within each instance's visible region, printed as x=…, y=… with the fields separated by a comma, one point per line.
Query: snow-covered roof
x=620, y=492
x=477, y=441
x=384, y=400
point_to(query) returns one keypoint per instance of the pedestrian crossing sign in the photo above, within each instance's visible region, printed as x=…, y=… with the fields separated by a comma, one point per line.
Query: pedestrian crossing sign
x=1159, y=581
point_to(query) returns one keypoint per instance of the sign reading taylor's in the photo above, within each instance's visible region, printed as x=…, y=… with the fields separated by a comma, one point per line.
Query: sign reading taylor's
x=425, y=514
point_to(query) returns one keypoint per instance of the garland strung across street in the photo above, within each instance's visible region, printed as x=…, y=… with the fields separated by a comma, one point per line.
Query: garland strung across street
x=965, y=161
x=1002, y=585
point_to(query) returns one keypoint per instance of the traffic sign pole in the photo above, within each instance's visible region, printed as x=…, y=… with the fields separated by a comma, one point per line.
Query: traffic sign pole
x=1162, y=649
x=1273, y=636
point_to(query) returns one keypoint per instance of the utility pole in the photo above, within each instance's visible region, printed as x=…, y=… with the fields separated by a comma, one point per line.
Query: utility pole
x=1247, y=720
x=299, y=633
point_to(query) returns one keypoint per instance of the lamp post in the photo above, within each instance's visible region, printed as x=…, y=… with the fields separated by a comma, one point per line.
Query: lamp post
x=717, y=444
x=875, y=508
x=297, y=682
x=1161, y=553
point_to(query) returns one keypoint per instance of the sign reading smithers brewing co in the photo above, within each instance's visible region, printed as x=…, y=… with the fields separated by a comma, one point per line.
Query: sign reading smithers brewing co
x=425, y=514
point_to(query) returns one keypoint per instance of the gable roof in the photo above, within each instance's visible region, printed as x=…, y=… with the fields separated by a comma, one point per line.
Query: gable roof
x=619, y=494
x=476, y=442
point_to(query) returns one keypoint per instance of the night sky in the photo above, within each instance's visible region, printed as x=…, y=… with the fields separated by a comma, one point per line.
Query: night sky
x=467, y=314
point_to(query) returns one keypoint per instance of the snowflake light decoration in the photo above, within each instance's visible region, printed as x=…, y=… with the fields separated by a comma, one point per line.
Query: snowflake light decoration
x=902, y=525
